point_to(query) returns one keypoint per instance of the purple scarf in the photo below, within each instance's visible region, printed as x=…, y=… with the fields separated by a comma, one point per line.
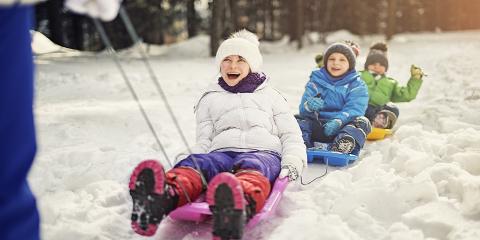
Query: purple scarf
x=246, y=85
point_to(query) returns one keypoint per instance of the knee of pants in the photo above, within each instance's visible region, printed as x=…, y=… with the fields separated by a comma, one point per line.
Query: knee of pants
x=306, y=128
x=210, y=164
x=363, y=123
x=267, y=164
x=305, y=125
x=357, y=133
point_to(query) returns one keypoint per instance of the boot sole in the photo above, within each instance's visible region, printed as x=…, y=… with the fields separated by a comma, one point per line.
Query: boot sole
x=342, y=143
x=226, y=201
x=147, y=184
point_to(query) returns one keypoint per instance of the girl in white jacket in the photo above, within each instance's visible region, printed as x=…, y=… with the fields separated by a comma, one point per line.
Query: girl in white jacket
x=246, y=136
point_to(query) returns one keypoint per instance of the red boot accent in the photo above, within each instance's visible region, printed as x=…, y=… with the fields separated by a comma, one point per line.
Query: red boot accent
x=187, y=182
x=256, y=186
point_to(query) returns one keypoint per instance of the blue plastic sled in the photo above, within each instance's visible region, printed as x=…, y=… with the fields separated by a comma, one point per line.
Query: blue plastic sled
x=330, y=158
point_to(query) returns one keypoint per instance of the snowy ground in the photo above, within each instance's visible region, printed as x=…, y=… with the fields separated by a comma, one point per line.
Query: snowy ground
x=421, y=183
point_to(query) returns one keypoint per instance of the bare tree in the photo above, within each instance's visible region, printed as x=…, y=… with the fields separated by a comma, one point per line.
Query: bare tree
x=216, y=29
x=392, y=16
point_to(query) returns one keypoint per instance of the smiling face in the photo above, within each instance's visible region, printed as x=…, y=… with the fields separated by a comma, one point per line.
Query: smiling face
x=234, y=68
x=337, y=64
x=376, y=68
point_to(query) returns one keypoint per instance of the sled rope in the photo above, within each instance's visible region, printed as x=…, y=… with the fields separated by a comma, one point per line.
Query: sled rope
x=108, y=45
x=137, y=43
x=315, y=179
x=136, y=40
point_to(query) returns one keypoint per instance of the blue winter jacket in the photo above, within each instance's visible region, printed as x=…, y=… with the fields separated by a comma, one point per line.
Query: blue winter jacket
x=345, y=98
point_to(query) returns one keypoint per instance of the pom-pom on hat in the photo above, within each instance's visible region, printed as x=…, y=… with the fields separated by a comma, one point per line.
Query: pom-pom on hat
x=355, y=47
x=242, y=43
x=377, y=54
x=343, y=48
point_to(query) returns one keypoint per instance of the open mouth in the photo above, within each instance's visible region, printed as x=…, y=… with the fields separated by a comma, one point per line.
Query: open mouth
x=233, y=76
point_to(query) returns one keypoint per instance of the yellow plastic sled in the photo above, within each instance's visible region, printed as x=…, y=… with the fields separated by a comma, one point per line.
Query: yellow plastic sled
x=379, y=133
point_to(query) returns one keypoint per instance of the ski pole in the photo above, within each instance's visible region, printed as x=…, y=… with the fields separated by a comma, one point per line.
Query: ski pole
x=137, y=42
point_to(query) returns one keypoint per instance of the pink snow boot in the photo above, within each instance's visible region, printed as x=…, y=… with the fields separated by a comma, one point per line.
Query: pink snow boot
x=227, y=203
x=256, y=189
x=152, y=198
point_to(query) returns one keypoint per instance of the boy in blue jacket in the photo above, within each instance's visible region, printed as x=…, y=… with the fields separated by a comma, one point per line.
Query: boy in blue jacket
x=334, y=102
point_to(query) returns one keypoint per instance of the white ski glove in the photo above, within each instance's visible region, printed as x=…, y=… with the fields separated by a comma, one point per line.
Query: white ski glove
x=106, y=10
x=292, y=167
x=290, y=172
x=23, y=2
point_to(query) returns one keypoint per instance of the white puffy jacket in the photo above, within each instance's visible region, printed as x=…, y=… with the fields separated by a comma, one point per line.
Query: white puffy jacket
x=248, y=121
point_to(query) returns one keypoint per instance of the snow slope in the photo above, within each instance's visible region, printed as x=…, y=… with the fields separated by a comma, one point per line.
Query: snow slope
x=421, y=183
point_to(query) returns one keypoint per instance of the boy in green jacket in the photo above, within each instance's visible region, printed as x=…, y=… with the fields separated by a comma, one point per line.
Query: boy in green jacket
x=384, y=90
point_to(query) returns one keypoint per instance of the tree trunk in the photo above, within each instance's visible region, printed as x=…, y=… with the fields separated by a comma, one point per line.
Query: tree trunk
x=55, y=22
x=234, y=16
x=300, y=23
x=216, y=30
x=192, y=20
x=392, y=16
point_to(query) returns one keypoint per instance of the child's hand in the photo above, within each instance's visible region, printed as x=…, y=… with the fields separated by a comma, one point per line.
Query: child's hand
x=314, y=104
x=416, y=72
x=319, y=60
x=289, y=171
x=331, y=127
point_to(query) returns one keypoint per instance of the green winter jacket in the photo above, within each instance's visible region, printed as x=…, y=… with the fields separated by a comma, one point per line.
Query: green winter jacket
x=386, y=89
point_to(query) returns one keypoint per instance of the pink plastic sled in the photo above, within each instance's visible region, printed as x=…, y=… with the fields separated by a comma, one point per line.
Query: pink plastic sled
x=198, y=211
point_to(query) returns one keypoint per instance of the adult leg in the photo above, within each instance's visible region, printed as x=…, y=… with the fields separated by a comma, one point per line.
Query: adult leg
x=18, y=212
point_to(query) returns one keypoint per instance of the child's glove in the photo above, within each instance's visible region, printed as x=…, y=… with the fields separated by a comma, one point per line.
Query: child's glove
x=314, y=104
x=292, y=167
x=331, y=127
x=319, y=60
x=416, y=72
x=290, y=172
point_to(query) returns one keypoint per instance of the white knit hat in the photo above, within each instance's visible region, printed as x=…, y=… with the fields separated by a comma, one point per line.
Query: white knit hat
x=242, y=43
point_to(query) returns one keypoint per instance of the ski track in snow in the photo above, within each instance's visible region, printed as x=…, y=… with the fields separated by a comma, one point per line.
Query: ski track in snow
x=421, y=183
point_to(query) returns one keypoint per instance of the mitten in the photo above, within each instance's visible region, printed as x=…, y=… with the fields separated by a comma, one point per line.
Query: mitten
x=314, y=104
x=416, y=72
x=319, y=60
x=292, y=167
x=331, y=127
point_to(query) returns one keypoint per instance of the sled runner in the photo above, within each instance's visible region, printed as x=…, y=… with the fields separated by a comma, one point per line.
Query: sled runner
x=378, y=133
x=199, y=211
x=329, y=157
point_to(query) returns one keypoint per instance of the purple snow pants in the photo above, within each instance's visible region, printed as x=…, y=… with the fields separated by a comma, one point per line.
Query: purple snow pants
x=211, y=164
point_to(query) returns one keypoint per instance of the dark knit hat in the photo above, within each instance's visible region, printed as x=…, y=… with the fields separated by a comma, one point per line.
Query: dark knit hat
x=377, y=54
x=344, y=49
